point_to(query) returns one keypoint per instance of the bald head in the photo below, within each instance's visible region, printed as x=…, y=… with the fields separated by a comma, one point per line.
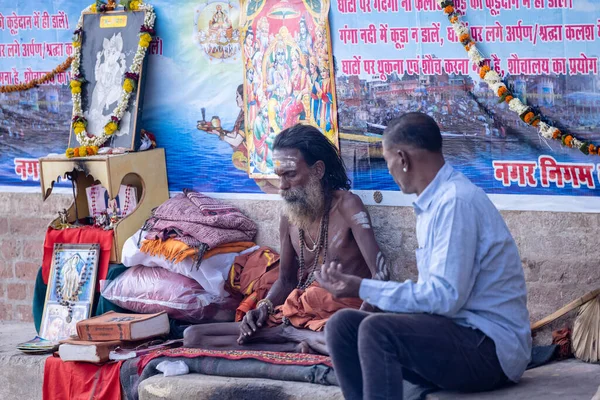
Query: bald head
x=415, y=129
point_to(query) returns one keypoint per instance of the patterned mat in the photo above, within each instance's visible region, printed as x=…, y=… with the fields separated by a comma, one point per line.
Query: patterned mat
x=272, y=357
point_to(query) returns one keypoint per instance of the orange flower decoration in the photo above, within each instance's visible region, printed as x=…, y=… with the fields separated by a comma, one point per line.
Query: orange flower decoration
x=464, y=37
x=535, y=123
x=449, y=9
x=454, y=19
x=501, y=91
x=76, y=152
x=557, y=134
x=592, y=149
x=484, y=70
x=528, y=117
x=89, y=150
x=569, y=141
x=468, y=46
x=508, y=99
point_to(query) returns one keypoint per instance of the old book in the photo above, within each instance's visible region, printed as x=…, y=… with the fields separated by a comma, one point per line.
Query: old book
x=117, y=326
x=128, y=351
x=83, y=350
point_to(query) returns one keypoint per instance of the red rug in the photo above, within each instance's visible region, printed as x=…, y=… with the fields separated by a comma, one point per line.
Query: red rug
x=80, y=380
x=272, y=357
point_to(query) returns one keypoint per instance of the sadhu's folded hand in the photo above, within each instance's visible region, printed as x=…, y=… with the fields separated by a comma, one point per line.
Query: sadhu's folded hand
x=332, y=279
x=253, y=321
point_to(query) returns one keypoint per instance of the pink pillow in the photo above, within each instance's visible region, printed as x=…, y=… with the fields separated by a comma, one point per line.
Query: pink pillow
x=152, y=289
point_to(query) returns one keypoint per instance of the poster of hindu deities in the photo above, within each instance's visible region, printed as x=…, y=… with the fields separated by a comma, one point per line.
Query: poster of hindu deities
x=288, y=68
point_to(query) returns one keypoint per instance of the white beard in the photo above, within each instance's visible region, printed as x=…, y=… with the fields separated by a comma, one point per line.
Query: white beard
x=307, y=205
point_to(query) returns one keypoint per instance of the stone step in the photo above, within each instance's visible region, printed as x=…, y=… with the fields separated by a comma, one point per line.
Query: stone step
x=566, y=380
x=21, y=377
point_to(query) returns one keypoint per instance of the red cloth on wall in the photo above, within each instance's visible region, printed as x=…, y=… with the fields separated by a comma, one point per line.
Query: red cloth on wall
x=85, y=234
x=80, y=380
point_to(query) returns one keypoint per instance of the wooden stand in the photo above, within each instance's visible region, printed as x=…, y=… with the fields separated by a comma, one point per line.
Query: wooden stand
x=146, y=171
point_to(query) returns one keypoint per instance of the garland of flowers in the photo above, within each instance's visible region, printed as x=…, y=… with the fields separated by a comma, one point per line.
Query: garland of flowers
x=494, y=81
x=38, y=81
x=130, y=80
x=81, y=151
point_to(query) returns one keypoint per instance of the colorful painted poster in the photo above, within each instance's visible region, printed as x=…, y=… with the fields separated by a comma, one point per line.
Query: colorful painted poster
x=289, y=74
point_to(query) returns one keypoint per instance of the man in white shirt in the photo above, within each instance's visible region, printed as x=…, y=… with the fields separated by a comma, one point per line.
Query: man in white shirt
x=464, y=324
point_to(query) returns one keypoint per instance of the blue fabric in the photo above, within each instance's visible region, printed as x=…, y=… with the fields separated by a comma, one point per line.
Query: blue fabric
x=469, y=269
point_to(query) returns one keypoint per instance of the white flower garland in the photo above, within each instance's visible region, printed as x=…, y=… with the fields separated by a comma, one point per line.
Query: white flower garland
x=494, y=81
x=119, y=111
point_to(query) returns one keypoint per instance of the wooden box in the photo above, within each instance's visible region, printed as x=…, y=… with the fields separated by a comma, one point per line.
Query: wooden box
x=146, y=171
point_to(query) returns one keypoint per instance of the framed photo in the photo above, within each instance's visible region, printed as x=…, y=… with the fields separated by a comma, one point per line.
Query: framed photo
x=110, y=41
x=71, y=288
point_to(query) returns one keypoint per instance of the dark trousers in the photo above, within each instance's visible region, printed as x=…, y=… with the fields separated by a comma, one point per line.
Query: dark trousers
x=373, y=353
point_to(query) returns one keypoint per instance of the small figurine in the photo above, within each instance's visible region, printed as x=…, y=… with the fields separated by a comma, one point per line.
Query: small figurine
x=113, y=221
x=63, y=220
x=101, y=220
x=64, y=216
x=112, y=207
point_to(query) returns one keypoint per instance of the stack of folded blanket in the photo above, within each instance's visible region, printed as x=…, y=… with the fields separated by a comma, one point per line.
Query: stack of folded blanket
x=195, y=259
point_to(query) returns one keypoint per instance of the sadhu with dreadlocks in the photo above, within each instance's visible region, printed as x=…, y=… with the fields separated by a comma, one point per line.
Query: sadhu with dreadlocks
x=321, y=222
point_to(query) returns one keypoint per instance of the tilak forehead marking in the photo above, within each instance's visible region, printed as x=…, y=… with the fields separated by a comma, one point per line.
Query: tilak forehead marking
x=286, y=162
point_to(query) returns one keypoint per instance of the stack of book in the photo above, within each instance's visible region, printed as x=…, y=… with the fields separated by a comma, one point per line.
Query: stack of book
x=112, y=332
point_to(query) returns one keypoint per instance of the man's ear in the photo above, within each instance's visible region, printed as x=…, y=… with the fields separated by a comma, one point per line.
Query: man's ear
x=319, y=168
x=404, y=159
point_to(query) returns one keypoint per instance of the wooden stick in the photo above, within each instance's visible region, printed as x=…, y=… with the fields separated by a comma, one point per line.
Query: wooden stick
x=569, y=307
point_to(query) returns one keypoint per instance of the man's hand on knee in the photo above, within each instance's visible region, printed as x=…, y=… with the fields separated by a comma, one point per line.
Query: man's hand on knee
x=253, y=320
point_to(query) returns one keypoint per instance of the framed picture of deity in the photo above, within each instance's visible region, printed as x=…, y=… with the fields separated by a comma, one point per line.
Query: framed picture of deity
x=289, y=74
x=111, y=60
x=71, y=288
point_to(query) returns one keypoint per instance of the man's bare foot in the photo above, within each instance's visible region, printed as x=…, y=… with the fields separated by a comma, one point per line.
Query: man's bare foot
x=304, y=348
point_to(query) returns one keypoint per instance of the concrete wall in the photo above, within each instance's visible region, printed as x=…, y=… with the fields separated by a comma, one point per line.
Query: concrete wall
x=560, y=251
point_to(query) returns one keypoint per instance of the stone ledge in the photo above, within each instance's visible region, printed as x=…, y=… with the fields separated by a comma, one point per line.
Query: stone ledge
x=572, y=380
x=565, y=380
x=21, y=376
x=205, y=387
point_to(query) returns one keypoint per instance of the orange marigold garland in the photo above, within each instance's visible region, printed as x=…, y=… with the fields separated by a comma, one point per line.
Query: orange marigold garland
x=494, y=81
x=81, y=151
x=38, y=81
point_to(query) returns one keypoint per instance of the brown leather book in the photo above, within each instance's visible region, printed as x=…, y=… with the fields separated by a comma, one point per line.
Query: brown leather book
x=86, y=351
x=117, y=326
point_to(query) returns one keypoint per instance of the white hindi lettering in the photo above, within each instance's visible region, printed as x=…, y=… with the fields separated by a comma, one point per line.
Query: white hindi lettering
x=27, y=167
x=521, y=172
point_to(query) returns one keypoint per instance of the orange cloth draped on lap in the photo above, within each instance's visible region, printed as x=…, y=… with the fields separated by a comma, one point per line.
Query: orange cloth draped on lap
x=81, y=380
x=311, y=308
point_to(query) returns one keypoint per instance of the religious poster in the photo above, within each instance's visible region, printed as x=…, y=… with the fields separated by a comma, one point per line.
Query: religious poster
x=217, y=30
x=288, y=68
x=108, y=46
x=71, y=288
